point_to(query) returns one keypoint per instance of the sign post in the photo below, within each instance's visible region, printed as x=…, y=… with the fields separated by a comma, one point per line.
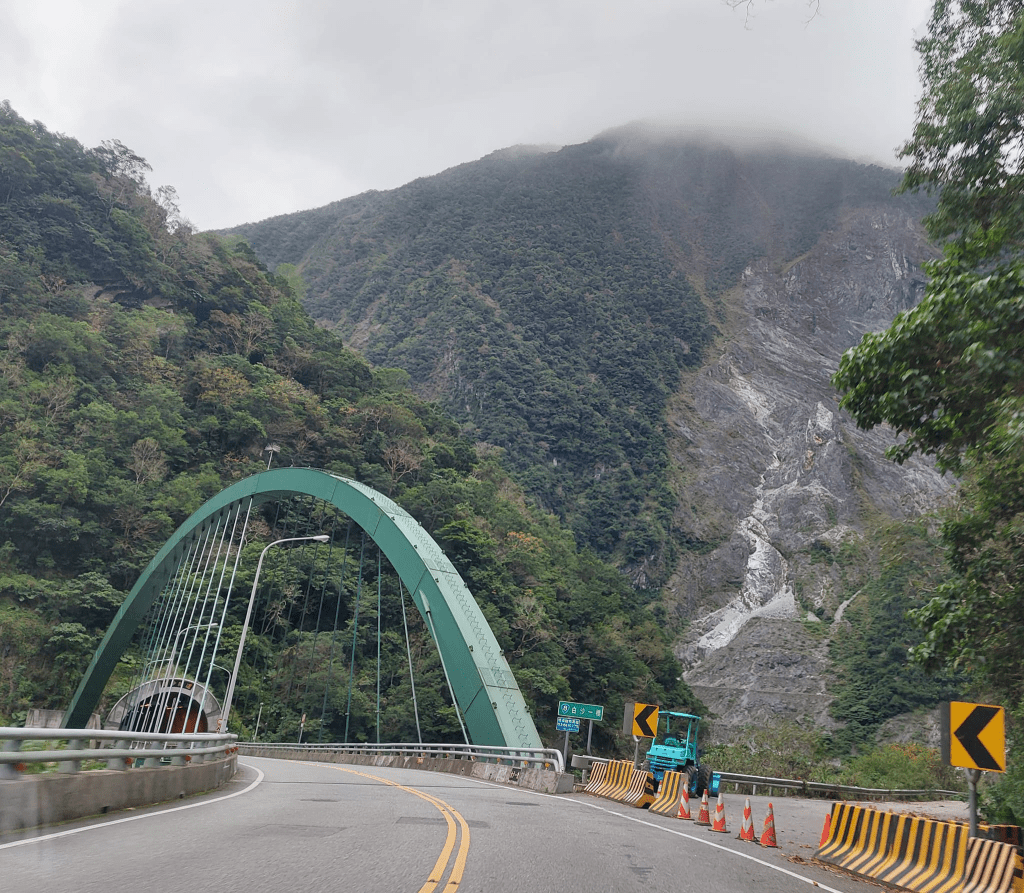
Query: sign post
x=974, y=738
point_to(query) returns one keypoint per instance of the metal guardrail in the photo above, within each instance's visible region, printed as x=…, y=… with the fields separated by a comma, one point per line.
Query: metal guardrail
x=119, y=750
x=544, y=758
x=807, y=788
x=826, y=789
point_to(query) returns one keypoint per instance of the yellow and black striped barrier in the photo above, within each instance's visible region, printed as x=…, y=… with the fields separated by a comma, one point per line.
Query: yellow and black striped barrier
x=918, y=854
x=992, y=867
x=669, y=794
x=597, y=774
x=616, y=780
x=641, y=789
x=619, y=780
x=1005, y=833
x=927, y=856
x=604, y=784
x=860, y=839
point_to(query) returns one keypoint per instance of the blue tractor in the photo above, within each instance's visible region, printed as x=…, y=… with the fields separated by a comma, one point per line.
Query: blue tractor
x=675, y=749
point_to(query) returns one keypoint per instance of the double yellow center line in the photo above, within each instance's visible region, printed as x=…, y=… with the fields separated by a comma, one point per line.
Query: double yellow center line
x=458, y=832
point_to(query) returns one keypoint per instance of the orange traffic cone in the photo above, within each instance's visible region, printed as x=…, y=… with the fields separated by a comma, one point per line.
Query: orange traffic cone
x=703, y=817
x=768, y=835
x=826, y=830
x=747, y=831
x=719, y=823
x=684, y=804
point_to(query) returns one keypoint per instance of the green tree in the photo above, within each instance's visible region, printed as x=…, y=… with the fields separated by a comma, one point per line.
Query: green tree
x=949, y=374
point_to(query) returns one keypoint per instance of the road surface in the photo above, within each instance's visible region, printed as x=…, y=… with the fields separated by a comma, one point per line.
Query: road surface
x=287, y=826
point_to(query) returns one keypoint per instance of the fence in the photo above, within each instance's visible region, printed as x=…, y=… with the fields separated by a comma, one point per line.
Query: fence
x=540, y=758
x=116, y=749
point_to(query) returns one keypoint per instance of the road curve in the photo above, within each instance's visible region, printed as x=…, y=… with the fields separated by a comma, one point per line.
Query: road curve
x=323, y=827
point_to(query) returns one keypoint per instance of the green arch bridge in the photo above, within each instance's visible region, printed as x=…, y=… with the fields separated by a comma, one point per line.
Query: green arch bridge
x=481, y=681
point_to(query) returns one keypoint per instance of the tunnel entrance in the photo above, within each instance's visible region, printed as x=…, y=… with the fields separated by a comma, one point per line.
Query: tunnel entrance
x=165, y=706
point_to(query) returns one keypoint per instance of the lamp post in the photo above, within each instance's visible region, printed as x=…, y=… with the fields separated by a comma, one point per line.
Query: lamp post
x=230, y=692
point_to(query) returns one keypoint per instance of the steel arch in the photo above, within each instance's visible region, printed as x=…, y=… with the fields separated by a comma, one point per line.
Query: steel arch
x=485, y=689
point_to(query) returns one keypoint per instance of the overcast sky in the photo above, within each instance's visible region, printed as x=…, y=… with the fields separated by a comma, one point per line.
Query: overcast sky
x=260, y=108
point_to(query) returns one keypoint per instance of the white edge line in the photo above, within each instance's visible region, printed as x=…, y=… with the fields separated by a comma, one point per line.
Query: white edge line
x=638, y=821
x=711, y=843
x=597, y=806
x=134, y=818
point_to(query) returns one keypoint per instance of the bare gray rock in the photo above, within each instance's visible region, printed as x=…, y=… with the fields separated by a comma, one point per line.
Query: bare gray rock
x=773, y=469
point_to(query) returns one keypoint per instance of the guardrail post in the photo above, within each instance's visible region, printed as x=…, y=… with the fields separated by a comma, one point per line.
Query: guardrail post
x=118, y=763
x=71, y=766
x=7, y=770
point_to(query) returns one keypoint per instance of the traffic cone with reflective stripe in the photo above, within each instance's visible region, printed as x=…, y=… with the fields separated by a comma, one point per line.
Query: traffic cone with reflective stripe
x=768, y=835
x=719, y=823
x=747, y=830
x=703, y=817
x=684, y=804
x=826, y=830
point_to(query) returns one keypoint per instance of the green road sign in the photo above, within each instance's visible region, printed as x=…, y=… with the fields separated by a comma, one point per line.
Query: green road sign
x=581, y=711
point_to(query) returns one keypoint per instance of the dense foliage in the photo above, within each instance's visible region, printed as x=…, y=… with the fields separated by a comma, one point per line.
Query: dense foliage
x=874, y=679
x=552, y=300
x=789, y=751
x=950, y=373
x=144, y=367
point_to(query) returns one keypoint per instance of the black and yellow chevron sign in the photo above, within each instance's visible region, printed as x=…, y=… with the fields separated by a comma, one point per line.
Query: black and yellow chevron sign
x=975, y=737
x=645, y=720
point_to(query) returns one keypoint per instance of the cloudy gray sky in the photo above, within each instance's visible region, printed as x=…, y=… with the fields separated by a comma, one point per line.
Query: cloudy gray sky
x=260, y=108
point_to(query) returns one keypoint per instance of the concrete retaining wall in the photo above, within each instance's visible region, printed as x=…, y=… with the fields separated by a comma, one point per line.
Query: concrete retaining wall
x=35, y=800
x=544, y=780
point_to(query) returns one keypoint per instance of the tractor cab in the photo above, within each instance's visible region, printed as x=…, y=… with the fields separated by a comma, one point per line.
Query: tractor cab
x=675, y=749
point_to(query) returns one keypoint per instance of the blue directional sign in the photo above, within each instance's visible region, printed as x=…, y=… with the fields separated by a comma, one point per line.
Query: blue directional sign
x=581, y=711
x=567, y=724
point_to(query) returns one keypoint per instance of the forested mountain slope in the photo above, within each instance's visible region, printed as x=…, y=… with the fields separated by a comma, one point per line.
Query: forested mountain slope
x=143, y=367
x=552, y=299
x=646, y=324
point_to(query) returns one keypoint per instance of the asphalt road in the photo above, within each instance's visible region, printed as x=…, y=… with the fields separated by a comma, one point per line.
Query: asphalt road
x=289, y=826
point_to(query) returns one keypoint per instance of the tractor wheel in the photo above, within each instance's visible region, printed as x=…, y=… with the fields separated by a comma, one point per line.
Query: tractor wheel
x=703, y=780
x=691, y=773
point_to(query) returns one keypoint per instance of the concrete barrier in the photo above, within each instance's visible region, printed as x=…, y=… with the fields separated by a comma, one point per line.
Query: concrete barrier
x=640, y=792
x=597, y=774
x=546, y=781
x=918, y=854
x=859, y=839
x=30, y=801
x=616, y=781
x=927, y=855
x=670, y=794
x=992, y=867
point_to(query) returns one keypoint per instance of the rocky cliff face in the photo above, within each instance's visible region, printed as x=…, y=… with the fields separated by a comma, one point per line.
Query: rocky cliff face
x=647, y=327
x=776, y=475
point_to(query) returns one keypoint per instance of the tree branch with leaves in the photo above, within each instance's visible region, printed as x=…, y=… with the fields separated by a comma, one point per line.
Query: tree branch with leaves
x=948, y=375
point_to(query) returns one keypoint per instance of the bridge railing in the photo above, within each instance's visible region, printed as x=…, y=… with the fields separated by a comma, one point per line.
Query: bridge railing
x=539, y=757
x=117, y=749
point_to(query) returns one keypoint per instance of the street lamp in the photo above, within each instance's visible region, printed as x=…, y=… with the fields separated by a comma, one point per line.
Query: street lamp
x=229, y=693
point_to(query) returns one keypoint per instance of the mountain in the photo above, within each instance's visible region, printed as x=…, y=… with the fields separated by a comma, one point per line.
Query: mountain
x=644, y=326
x=144, y=367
